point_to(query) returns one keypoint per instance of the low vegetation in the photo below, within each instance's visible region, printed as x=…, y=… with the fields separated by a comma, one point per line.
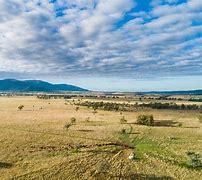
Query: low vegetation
x=123, y=120
x=147, y=120
x=67, y=126
x=200, y=118
x=87, y=119
x=194, y=159
x=103, y=167
x=73, y=120
x=20, y=107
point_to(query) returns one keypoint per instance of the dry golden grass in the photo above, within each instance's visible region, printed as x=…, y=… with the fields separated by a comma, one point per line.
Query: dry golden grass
x=35, y=145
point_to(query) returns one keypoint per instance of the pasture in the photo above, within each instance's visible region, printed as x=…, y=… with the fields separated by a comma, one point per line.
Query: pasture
x=40, y=141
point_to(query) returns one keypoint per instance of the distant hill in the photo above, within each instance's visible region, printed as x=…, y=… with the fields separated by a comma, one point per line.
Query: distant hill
x=13, y=85
x=186, y=92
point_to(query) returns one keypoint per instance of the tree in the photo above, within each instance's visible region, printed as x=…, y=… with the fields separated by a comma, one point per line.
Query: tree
x=20, y=107
x=73, y=120
x=123, y=120
x=147, y=120
x=67, y=126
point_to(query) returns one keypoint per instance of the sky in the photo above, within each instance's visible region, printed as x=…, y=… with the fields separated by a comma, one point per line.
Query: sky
x=121, y=45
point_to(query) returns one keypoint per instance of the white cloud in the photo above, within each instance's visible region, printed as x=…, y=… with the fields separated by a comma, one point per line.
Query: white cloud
x=82, y=37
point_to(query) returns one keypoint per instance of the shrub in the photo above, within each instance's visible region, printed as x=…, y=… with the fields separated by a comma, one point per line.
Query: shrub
x=20, y=107
x=123, y=131
x=200, y=118
x=73, y=120
x=77, y=108
x=194, y=159
x=179, y=124
x=123, y=120
x=87, y=119
x=67, y=126
x=94, y=112
x=103, y=167
x=147, y=120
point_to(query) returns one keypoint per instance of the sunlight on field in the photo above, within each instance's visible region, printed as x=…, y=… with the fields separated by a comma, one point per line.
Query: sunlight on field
x=36, y=144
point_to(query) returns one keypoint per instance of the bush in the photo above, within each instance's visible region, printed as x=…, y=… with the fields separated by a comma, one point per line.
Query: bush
x=20, y=107
x=67, y=126
x=77, y=108
x=73, y=120
x=200, y=118
x=123, y=131
x=180, y=124
x=123, y=120
x=87, y=119
x=147, y=120
x=94, y=112
x=103, y=167
x=194, y=159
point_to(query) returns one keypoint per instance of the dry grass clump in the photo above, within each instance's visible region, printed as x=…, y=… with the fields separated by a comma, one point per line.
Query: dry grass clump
x=103, y=167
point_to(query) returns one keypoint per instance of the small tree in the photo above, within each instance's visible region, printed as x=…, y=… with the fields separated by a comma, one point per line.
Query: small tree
x=123, y=120
x=95, y=108
x=67, y=126
x=200, y=118
x=73, y=120
x=77, y=108
x=94, y=112
x=87, y=119
x=20, y=107
x=123, y=131
x=147, y=120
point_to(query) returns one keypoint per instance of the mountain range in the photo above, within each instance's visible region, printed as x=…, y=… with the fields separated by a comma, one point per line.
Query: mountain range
x=13, y=85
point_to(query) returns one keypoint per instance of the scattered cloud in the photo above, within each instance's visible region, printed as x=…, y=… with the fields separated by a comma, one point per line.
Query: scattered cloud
x=101, y=38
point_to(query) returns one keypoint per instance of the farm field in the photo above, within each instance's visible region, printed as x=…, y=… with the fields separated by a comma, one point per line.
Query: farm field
x=56, y=139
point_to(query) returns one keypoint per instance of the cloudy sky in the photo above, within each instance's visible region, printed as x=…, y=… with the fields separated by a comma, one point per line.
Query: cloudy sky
x=103, y=44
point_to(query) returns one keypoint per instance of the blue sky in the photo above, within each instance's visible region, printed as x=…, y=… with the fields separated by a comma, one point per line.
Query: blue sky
x=126, y=45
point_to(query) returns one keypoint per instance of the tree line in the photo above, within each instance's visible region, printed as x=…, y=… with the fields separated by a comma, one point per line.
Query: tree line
x=112, y=106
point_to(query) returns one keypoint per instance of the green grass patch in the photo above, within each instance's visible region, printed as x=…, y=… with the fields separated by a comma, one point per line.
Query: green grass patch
x=143, y=146
x=154, y=149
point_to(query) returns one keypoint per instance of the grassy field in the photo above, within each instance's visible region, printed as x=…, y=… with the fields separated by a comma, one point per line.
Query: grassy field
x=34, y=143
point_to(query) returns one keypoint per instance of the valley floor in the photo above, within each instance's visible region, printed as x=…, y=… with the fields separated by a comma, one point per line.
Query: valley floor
x=36, y=144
